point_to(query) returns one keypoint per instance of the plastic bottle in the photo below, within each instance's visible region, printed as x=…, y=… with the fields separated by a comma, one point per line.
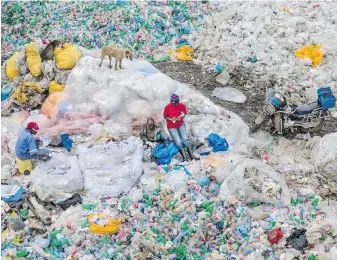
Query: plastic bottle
x=179, y=237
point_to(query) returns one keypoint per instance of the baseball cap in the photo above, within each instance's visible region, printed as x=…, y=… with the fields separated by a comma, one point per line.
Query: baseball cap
x=33, y=125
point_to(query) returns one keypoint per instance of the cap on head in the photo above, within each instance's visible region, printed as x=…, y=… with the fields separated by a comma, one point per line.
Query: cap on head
x=33, y=125
x=174, y=98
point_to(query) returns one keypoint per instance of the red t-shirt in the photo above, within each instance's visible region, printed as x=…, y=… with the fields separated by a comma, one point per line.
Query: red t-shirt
x=173, y=112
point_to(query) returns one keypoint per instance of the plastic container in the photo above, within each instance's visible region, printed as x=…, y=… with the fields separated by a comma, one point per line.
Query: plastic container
x=274, y=235
x=326, y=98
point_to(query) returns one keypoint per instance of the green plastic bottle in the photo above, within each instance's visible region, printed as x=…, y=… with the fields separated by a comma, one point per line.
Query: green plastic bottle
x=21, y=253
x=312, y=257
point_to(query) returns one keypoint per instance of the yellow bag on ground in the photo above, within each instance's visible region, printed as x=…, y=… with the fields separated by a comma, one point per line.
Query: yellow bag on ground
x=112, y=226
x=312, y=52
x=34, y=60
x=50, y=106
x=67, y=57
x=24, y=165
x=11, y=70
x=182, y=53
x=55, y=87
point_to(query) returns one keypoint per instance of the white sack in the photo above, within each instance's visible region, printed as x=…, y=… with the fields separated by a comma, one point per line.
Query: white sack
x=61, y=172
x=235, y=184
x=324, y=156
x=111, y=169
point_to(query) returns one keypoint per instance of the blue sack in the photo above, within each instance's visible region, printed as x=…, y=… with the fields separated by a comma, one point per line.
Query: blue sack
x=218, y=143
x=165, y=153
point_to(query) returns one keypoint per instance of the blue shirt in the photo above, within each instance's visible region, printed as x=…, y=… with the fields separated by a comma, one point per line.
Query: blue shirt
x=25, y=147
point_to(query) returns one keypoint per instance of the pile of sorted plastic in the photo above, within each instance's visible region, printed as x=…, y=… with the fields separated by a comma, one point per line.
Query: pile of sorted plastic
x=143, y=26
x=187, y=221
x=287, y=45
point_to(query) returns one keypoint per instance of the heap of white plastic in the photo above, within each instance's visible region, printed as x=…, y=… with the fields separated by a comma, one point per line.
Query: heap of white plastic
x=272, y=31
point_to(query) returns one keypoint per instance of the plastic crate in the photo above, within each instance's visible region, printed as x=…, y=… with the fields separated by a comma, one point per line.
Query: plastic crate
x=275, y=102
x=326, y=98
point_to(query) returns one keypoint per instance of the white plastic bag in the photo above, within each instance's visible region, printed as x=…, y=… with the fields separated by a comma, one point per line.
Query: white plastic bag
x=61, y=172
x=236, y=185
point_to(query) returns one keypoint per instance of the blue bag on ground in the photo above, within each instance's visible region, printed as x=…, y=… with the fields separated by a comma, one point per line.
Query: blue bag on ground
x=217, y=142
x=66, y=141
x=165, y=153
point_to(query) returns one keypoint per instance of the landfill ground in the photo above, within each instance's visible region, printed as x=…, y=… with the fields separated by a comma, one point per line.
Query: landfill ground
x=203, y=81
x=107, y=192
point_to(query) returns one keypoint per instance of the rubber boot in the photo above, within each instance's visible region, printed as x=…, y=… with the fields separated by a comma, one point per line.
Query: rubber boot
x=190, y=154
x=183, y=154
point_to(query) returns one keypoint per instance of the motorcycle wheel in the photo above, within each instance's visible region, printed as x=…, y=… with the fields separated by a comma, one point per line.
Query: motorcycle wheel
x=313, y=129
x=254, y=128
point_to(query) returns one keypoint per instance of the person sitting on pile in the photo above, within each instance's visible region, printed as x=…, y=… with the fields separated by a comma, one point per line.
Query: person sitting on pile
x=174, y=114
x=150, y=132
x=26, y=149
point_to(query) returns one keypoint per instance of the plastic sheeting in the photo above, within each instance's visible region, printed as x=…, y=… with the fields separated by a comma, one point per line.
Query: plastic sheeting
x=111, y=169
x=130, y=95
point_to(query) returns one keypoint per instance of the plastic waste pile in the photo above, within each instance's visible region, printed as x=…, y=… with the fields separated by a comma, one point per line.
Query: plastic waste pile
x=222, y=206
x=189, y=222
x=287, y=45
x=100, y=196
x=28, y=79
x=143, y=26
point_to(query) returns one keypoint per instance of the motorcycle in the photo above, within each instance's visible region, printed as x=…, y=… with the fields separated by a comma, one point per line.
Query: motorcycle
x=303, y=118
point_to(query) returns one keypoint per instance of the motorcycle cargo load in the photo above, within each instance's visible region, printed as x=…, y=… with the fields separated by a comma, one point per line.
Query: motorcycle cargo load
x=326, y=98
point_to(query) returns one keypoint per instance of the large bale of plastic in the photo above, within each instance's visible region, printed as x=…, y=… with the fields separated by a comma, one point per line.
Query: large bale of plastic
x=34, y=60
x=111, y=169
x=11, y=70
x=61, y=172
x=254, y=180
x=324, y=156
x=56, y=100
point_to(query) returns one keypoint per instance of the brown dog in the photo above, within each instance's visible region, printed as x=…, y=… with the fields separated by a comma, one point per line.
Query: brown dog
x=48, y=52
x=116, y=53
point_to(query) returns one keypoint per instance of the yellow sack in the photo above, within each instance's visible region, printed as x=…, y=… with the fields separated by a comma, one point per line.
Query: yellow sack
x=312, y=52
x=112, y=226
x=11, y=70
x=25, y=165
x=67, y=57
x=34, y=60
x=54, y=87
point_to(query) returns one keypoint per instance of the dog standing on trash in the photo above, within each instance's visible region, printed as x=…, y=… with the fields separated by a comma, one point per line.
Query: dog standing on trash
x=48, y=52
x=116, y=53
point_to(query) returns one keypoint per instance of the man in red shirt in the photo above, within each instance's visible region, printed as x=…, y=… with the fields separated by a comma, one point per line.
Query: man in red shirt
x=174, y=114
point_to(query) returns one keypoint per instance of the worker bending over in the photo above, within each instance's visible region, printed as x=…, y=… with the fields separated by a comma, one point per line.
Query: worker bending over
x=26, y=149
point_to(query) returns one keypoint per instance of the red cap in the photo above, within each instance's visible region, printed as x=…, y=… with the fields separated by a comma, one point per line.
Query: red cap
x=33, y=125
